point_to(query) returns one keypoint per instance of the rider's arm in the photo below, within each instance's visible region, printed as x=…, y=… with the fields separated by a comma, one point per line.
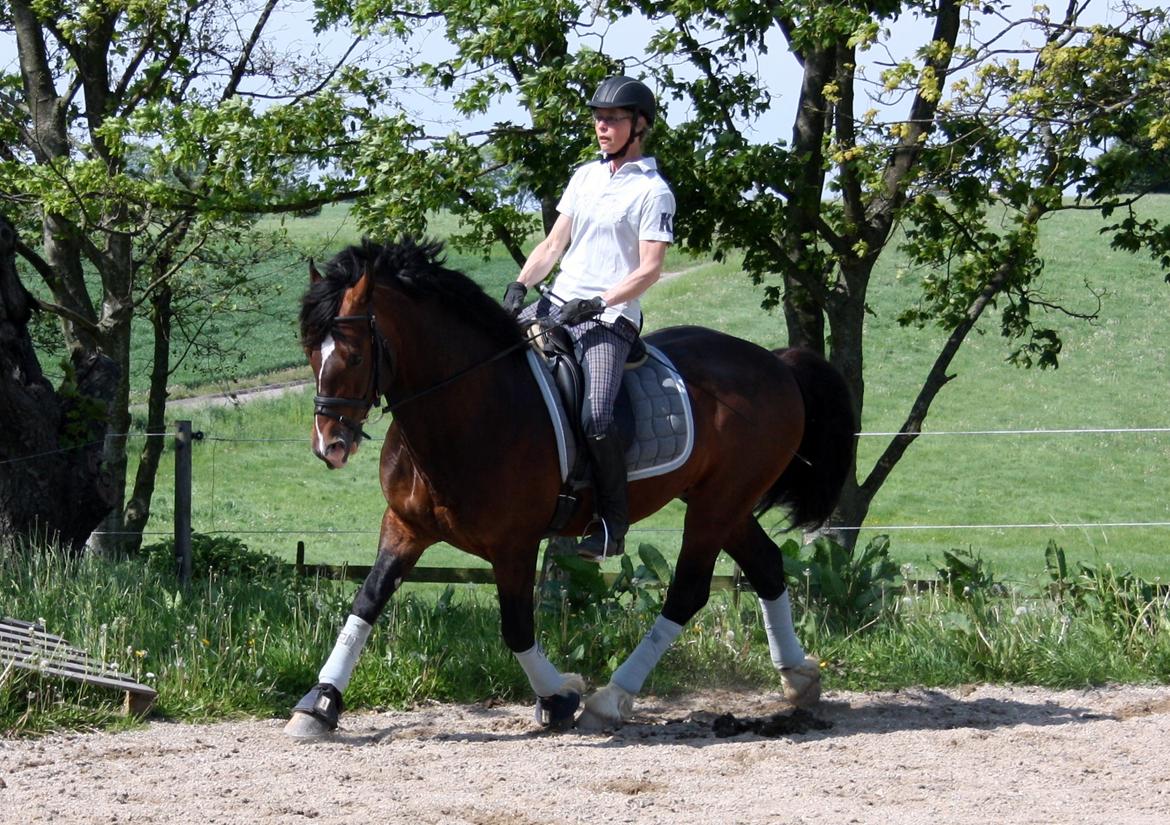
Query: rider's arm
x=546, y=254
x=651, y=255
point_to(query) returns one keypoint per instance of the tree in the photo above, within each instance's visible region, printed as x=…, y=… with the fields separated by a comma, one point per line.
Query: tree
x=511, y=52
x=137, y=140
x=51, y=476
x=993, y=137
x=955, y=152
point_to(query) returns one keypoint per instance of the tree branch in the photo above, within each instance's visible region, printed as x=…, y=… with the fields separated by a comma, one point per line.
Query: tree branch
x=936, y=379
x=246, y=53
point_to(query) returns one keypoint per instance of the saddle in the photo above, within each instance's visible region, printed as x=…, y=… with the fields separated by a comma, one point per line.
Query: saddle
x=555, y=345
x=652, y=413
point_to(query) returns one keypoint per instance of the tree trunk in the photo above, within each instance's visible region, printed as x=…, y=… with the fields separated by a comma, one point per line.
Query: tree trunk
x=53, y=484
x=138, y=507
x=803, y=308
x=117, y=316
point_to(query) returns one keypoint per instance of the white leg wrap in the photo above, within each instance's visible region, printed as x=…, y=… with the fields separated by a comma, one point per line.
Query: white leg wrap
x=782, y=642
x=634, y=670
x=545, y=679
x=340, y=664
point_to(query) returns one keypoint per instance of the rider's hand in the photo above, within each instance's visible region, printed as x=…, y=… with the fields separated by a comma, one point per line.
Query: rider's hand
x=576, y=310
x=514, y=297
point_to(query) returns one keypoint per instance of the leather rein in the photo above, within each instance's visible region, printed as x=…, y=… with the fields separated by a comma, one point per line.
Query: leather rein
x=325, y=404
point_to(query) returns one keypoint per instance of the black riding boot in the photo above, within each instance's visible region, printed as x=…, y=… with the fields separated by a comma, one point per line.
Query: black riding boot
x=609, y=492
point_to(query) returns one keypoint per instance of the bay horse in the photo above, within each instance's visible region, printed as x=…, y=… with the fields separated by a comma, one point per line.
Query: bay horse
x=470, y=459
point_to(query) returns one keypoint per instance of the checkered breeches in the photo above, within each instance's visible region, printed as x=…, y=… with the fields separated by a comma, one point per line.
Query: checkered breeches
x=602, y=350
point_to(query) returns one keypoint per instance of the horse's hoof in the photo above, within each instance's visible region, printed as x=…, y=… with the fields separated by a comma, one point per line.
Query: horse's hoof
x=802, y=683
x=556, y=712
x=304, y=727
x=607, y=709
x=316, y=714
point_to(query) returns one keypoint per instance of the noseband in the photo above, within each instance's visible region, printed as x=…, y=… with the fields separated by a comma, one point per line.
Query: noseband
x=324, y=404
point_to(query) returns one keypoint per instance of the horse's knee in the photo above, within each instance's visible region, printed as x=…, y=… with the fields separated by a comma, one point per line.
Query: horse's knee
x=380, y=584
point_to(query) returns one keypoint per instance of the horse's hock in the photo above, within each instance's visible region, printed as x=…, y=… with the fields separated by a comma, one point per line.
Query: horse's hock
x=27, y=646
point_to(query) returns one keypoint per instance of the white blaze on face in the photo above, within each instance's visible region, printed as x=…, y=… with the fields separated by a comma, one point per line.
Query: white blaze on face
x=327, y=347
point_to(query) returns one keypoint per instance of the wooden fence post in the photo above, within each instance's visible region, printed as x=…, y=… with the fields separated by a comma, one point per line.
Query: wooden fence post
x=183, y=500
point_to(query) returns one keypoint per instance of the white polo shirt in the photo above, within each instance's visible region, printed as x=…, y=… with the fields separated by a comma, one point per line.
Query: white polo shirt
x=610, y=215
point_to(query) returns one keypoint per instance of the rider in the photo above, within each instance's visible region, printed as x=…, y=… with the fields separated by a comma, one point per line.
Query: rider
x=616, y=221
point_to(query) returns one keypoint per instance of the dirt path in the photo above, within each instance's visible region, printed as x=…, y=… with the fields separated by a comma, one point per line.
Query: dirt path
x=981, y=755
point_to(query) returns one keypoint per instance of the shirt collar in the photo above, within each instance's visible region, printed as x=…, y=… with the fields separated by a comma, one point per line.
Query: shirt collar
x=643, y=164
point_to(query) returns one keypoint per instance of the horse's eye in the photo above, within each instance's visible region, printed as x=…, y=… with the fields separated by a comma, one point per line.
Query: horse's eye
x=355, y=360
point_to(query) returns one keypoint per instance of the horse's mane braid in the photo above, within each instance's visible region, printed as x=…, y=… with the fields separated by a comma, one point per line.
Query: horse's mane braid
x=415, y=266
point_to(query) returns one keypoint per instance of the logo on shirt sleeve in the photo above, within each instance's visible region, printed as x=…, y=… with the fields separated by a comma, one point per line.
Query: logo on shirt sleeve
x=665, y=222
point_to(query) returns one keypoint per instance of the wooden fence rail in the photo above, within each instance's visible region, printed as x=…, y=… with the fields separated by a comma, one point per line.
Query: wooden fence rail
x=460, y=575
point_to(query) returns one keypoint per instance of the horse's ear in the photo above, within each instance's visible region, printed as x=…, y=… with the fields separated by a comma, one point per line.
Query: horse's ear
x=357, y=297
x=362, y=289
x=314, y=275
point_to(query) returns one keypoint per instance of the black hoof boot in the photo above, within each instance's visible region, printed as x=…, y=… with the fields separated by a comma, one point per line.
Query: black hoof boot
x=323, y=702
x=557, y=712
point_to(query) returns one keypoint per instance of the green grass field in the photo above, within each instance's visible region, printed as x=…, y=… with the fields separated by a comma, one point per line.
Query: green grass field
x=249, y=642
x=255, y=476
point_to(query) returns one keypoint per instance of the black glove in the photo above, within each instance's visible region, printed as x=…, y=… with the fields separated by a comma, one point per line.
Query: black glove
x=514, y=297
x=576, y=310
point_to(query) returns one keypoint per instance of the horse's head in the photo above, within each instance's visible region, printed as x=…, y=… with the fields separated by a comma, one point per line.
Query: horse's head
x=344, y=352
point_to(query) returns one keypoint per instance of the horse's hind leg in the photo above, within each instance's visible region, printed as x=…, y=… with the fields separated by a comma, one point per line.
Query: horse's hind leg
x=763, y=564
x=689, y=591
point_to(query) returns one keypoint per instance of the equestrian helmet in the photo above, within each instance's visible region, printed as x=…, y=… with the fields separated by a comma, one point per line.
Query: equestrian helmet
x=621, y=92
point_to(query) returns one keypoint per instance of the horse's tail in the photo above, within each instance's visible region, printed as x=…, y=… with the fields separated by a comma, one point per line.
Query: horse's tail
x=811, y=484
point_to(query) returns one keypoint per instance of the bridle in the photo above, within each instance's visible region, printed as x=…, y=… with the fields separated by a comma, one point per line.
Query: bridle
x=325, y=404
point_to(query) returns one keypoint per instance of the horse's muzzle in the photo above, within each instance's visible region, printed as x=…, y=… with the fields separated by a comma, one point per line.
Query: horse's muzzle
x=333, y=446
x=335, y=453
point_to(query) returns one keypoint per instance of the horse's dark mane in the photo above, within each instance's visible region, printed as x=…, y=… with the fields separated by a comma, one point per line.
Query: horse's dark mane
x=415, y=267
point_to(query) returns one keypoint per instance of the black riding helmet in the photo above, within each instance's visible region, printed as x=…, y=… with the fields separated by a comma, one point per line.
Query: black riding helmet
x=621, y=92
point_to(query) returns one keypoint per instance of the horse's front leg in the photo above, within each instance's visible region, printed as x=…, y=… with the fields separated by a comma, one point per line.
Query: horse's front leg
x=318, y=711
x=558, y=695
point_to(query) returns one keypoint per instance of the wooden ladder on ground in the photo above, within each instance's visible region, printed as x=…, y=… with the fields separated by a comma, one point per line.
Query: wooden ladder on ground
x=27, y=646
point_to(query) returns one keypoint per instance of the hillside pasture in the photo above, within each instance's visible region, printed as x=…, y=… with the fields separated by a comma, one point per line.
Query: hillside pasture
x=1001, y=496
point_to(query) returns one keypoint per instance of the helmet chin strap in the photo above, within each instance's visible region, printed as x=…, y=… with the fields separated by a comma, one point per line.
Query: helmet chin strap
x=621, y=153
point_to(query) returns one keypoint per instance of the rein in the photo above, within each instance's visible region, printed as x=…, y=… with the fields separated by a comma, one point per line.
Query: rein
x=323, y=404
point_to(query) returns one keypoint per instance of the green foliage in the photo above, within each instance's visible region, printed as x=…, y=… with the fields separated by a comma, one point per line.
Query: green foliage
x=844, y=589
x=640, y=586
x=964, y=576
x=213, y=555
x=251, y=644
x=1126, y=604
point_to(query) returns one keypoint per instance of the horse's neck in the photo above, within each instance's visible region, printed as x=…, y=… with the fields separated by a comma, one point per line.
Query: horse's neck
x=447, y=389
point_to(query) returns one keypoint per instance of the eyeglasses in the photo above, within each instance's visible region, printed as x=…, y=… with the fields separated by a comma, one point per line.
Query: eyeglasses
x=610, y=120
